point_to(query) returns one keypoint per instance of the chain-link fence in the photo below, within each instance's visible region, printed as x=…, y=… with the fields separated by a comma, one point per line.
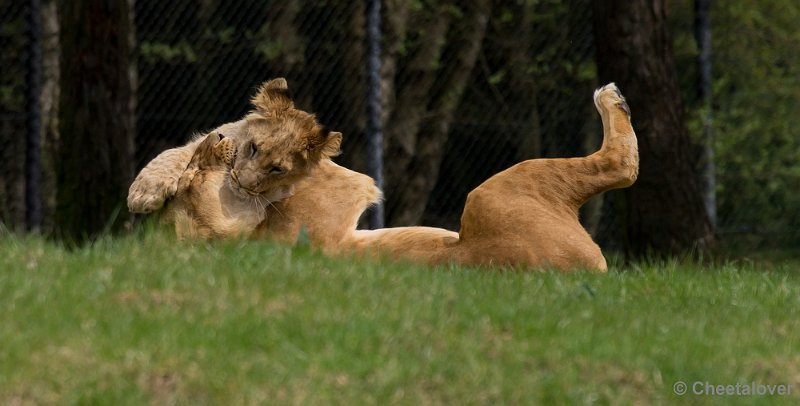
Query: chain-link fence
x=15, y=43
x=468, y=89
x=464, y=90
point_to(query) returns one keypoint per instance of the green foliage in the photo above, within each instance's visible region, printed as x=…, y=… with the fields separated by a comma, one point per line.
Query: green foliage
x=265, y=45
x=756, y=70
x=756, y=100
x=11, y=98
x=181, y=52
x=149, y=319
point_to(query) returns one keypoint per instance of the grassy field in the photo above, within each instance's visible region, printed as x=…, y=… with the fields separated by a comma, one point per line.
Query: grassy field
x=144, y=319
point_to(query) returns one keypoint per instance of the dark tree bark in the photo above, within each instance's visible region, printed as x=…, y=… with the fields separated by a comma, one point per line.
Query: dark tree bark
x=49, y=103
x=13, y=132
x=12, y=175
x=426, y=99
x=662, y=213
x=95, y=158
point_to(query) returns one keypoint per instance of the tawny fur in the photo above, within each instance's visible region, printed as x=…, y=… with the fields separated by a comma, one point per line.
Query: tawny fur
x=278, y=146
x=204, y=205
x=327, y=204
x=525, y=216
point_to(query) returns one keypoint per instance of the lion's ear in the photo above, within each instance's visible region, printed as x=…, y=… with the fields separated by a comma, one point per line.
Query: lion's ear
x=273, y=97
x=325, y=143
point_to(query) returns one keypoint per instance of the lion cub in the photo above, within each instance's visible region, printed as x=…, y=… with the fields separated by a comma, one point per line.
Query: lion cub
x=205, y=206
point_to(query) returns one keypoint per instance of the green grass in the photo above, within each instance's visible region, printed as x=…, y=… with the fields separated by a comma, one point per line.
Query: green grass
x=145, y=319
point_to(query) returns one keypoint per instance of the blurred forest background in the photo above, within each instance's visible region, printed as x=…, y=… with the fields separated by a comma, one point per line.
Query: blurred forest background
x=468, y=89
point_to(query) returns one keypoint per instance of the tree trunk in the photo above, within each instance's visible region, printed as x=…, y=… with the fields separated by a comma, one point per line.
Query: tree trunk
x=49, y=100
x=420, y=120
x=14, y=47
x=662, y=213
x=352, y=96
x=394, y=31
x=282, y=27
x=12, y=175
x=95, y=159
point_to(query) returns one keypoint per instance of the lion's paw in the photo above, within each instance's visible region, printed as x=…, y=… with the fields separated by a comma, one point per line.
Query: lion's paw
x=147, y=194
x=225, y=150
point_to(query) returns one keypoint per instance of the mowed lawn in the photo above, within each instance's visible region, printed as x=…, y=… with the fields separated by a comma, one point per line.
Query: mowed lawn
x=145, y=319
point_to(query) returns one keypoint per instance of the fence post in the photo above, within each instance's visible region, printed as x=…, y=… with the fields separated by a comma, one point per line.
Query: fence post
x=33, y=147
x=374, y=108
x=702, y=33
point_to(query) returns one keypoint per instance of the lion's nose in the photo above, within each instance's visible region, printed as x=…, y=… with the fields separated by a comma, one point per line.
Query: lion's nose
x=245, y=181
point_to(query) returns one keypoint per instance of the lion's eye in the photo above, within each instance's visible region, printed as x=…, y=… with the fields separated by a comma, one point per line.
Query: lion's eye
x=253, y=149
x=276, y=170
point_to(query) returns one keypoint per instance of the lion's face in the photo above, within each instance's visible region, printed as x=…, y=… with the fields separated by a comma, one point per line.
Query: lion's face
x=282, y=145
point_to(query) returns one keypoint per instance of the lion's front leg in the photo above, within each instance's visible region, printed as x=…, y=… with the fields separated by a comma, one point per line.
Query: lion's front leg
x=158, y=181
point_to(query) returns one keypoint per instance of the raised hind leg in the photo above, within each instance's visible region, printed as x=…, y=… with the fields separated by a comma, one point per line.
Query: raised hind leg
x=572, y=181
x=528, y=213
x=616, y=164
x=569, y=182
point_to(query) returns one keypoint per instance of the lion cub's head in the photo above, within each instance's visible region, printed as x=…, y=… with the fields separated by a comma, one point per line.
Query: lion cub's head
x=281, y=146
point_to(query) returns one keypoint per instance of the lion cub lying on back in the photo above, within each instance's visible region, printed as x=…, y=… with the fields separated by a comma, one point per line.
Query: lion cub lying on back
x=205, y=206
